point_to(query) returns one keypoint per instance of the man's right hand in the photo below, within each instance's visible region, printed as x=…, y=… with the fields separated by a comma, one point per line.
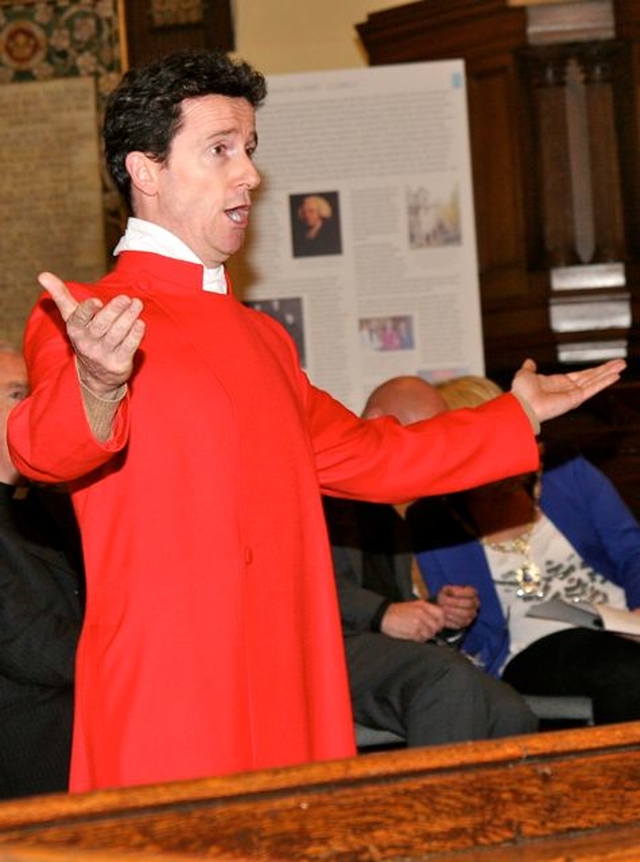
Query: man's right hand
x=104, y=338
x=413, y=621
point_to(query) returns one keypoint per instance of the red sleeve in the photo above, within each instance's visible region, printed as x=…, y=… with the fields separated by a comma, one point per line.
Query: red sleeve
x=48, y=434
x=382, y=461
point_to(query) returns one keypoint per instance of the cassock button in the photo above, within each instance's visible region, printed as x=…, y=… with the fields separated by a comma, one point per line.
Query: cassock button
x=248, y=556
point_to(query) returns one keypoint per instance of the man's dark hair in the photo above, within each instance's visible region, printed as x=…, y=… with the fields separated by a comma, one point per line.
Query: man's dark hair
x=144, y=112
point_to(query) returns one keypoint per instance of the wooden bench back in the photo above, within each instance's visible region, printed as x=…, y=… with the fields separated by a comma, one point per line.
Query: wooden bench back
x=569, y=794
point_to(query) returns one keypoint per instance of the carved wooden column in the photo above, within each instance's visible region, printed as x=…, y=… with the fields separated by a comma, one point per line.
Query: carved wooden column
x=596, y=61
x=548, y=80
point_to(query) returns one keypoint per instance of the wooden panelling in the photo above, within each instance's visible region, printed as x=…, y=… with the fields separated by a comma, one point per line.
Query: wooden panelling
x=529, y=215
x=147, y=38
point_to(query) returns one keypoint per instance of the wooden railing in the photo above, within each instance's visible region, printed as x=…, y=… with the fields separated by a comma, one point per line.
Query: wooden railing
x=571, y=794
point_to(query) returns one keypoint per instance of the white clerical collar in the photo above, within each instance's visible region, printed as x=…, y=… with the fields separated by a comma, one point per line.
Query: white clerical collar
x=142, y=235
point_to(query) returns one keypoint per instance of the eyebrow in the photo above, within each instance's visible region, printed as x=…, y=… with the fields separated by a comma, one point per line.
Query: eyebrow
x=233, y=130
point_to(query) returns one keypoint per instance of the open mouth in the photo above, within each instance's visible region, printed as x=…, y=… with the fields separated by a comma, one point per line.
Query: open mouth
x=239, y=215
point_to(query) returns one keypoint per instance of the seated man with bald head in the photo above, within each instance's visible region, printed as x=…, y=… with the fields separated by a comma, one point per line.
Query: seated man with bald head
x=403, y=675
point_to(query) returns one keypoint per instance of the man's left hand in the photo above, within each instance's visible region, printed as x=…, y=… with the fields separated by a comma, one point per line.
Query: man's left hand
x=554, y=394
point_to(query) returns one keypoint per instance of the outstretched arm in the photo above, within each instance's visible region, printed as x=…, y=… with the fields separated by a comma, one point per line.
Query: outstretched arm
x=552, y=395
x=105, y=339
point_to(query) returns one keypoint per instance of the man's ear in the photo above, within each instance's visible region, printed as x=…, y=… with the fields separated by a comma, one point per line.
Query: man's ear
x=143, y=172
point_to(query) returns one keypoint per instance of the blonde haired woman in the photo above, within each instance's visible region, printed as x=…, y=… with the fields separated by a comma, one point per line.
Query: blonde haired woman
x=468, y=390
x=562, y=533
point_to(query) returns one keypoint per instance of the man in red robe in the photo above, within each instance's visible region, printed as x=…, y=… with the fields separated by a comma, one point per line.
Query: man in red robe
x=197, y=449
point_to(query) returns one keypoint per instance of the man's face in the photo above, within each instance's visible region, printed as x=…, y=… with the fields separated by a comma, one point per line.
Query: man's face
x=13, y=389
x=310, y=213
x=203, y=190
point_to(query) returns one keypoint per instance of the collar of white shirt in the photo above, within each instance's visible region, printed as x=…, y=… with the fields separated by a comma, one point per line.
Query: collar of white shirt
x=142, y=235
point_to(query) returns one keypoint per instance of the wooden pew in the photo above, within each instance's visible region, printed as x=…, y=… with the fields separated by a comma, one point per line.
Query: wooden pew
x=568, y=795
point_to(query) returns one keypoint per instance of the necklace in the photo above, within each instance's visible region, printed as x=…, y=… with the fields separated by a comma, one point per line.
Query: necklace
x=528, y=574
x=529, y=580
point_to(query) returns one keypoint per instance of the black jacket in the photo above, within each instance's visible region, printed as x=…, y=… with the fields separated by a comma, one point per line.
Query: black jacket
x=41, y=607
x=371, y=547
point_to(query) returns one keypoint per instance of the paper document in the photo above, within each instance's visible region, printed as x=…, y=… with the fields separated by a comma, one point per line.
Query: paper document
x=588, y=615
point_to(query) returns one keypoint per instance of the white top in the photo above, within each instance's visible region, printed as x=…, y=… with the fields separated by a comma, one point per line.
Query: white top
x=565, y=575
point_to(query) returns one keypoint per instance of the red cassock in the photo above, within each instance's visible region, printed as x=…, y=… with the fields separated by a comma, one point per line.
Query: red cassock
x=212, y=640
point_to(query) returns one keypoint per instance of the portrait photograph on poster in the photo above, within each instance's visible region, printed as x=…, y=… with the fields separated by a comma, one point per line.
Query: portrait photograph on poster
x=315, y=224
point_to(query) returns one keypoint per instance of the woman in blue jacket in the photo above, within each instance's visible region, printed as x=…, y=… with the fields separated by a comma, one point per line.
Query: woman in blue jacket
x=565, y=533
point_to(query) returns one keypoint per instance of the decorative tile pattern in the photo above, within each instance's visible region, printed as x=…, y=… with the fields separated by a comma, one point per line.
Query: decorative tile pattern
x=44, y=40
